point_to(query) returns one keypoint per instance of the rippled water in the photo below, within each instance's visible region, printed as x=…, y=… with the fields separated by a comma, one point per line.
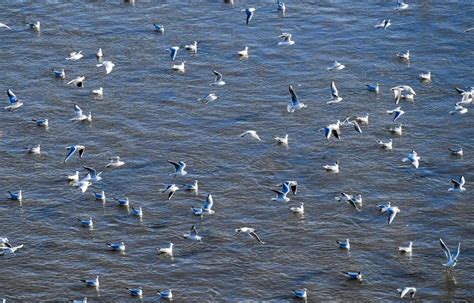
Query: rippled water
x=149, y=115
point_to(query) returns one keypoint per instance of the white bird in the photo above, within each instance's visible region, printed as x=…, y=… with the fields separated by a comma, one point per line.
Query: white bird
x=353, y=275
x=244, y=53
x=281, y=7
x=92, y=282
x=401, y=5
x=36, y=150
x=173, y=52
x=407, y=290
x=458, y=185
x=354, y=123
x=249, y=11
x=192, y=47
x=135, y=292
x=16, y=195
x=73, y=178
x=406, y=249
x=355, y=201
x=178, y=168
x=98, y=92
x=179, y=67
x=298, y=209
x=404, y=56
x=363, y=119
x=344, y=245
x=100, y=196
x=99, y=54
x=300, y=293
x=4, y=26
x=192, y=187
x=13, y=101
x=159, y=28
x=92, y=175
x=166, y=250
x=83, y=185
x=86, y=222
x=281, y=140
x=109, y=66
x=286, y=39
x=384, y=24
x=170, y=190
x=78, y=81
x=336, y=66
x=332, y=168
x=116, y=246
x=166, y=294
x=115, y=162
x=425, y=76
x=251, y=133
x=456, y=151
x=41, y=122
x=206, y=207
x=373, y=88
x=192, y=235
x=392, y=212
x=397, y=113
x=9, y=249
x=208, y=98
x=34, y=26
x=137, y=212
x=451, y=260
x=458, y=109
x=74, y=56
x=80, y=116
x=61, y=74
x=281, y=196
x=397, y=129
x=295, y=104
x=334, y=94
x=218, y=80
x=413, y=158
x=332, y=130
x=72, y=149
x=386, y=144
x=123, y=202
x=249, y=231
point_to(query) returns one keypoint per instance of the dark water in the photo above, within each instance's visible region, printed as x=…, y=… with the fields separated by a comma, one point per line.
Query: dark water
x=149, y=114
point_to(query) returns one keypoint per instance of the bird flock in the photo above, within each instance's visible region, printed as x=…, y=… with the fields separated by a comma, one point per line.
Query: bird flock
x=284, y=192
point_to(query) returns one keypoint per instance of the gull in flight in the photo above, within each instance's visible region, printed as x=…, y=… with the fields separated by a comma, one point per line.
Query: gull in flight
x=249, y=12
x=170, y=190
x=166, y=294
x=451, y=260
x=74, y=56
x=281, y=140
x=15, y=195
x=41, y=122
x=407, y=290
x=401, y=5
x=86, y=222
x=355, y=201
x=13, y=102
x=115, y=162
x=34, y=26
x=397, y=130
x=373, y=88
x=99, y=54
x=332, y=168
x=397, y=93
x=334, y=94
x=286, y=39
x=353, y=275
x=244, y=53
x=249, y=231
x=353, y=123
x=179, y=168
x=109, y=66
x=458, y=109
x=35, y=150
x=72, y=149
x=61, y=74
x=425, y=76
x=300, y=293
x=332, y=130
x=116, y=246
x=384, y=24
x=179, y=67
x=173, y=52
x=218, y=80
x=298, y=209
x=166, y=250
x=392, y=212
x=281, y=196
x=404, y=56
x=192, y=235
x=206, y=207
x=192, y=47
x=295, y=104
x=4, y=26
x=159, y=28
x=386, y=144
x=98, y=92
x=344, y=245
x=336, y=66
x=413, y=158
x=92, y=282
x=80, y=116
x=251, y=133
x=93, y=175
x=135, y=292
x=397, y=113
x=406, y=249
x=100, y=196
x=79, y=81
x=9, y=249
x=208, y=98
x=458, y=185
x=456, y=151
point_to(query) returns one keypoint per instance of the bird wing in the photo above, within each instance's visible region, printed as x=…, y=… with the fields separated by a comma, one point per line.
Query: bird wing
x=253, y=234
x=175, y=164
x=294, y=97
x=11, y=97
x=218, y=76
x=391, y=216
x=77, y=110
x=357, y=126
x=334, y=92
x=445, y=249
x=71, y=151
x=209, y=203
x=458, y=251
x=193, y=230
x=92, y=171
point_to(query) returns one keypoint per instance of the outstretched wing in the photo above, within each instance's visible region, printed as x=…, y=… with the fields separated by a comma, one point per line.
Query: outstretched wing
x=294, y=97
x=253, y=234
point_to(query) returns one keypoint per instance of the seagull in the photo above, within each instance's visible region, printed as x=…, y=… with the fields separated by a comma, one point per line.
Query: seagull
x=425, y=76
x=16, y=195
x=451, y=260
x=363, y=119
x=384, y=24
x=179, y=67
x=115, y=162
x=138, y=212
x=353, y=123
x=170, y=190
x=353, y=275
x=93, y=175
x=192, y=47
x=116, y=246
x=407, y=290
x=9, y=249
x=332, y=130
x=281, y=7
x=218, y=81
x=109, y=66
x=4, y=26
x=99, y=196
x=79, y=81
x=413, y=158
x=298, y=209
x=192, y=235
x=173, y=52
x=249, y=231
x=300, y=293
x=334, y=94
x=80, y=116
x=295, y=104
x=397, y=113
x=386, y=144
x=384, y=207
x=166, y=250
x=281, y=140
x=123, y=202
x=344, y=245
x=251, y=133
x=336, y=66
x=404, y=56
x=332, y=168
x=458, y=185
x=286, y=39
x=397, y=129
x=99, y=54
x=456, y=151
x=41, y=122
x=72, y=149
x=166, y=294
x=206, y=207
x=406, y=249
x=249, y=12
x=355, y=201
x=401, y=5
x=73, y=178
x=61, y=74
x=458, y=109
x=392, y=212
x=86, y=222
x=83, y=185
x=244, y=53
x=179, y=168
x=74, y=56
x=13, y=102
x=36, y=150
x=192, y=187
x=281, y=196
x=373, y=88
x=208, y=98
x=98, y=92
x=92, y=282
x=35, y=26
x=159, y=27
x=135, y=292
